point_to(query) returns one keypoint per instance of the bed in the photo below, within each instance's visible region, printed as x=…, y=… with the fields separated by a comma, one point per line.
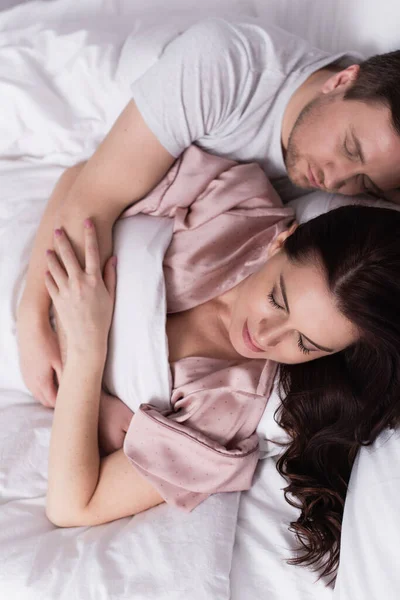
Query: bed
x=62, y=84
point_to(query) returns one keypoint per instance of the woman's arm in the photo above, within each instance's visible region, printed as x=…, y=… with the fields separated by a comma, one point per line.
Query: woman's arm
x=114, y=415
x=82, y=488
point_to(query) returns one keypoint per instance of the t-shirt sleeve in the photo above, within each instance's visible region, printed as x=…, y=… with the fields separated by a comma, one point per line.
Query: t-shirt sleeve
x=195, y=86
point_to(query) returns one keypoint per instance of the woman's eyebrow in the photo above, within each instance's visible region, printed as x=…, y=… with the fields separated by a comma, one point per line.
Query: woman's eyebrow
x=283, y=292
x=316, y=345
x=284, y=296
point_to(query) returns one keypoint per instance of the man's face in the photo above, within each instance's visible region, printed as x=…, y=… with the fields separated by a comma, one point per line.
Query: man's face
x=344, y=146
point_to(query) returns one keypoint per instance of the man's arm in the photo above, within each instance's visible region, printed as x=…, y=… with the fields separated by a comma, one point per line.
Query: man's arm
x=125, y=167
x=127, y=164
x=38, y=345
x=35, y=292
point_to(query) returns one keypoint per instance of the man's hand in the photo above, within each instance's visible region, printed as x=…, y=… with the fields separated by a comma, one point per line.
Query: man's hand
x=40, y=359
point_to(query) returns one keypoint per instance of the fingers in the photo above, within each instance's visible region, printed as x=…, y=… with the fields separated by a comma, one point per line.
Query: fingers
x=68, y=258
x=51, y=285
x=92, y=256
x=66, y=253
x=58, y=274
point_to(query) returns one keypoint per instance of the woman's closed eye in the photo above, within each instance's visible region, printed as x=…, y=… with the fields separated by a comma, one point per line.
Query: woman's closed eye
x=302, y=348
x=300, y=344
x=274, y=303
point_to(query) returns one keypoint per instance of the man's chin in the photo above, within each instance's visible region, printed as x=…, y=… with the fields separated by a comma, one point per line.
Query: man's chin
x=301, y=182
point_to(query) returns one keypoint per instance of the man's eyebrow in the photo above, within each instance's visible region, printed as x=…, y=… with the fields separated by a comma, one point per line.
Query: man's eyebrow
x=284, y=296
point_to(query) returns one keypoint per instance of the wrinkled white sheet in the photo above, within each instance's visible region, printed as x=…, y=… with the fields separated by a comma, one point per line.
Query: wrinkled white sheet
x=59, y=96
x=60, y=91
x=159, y=554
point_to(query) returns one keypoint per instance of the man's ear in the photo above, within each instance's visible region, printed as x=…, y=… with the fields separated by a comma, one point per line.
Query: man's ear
x=277, y=243
x=341, y=80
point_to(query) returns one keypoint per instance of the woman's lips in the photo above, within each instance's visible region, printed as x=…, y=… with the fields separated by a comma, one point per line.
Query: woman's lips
x=248, y=341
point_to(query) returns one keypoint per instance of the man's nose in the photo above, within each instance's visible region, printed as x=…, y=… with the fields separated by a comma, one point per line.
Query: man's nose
x=337, y=174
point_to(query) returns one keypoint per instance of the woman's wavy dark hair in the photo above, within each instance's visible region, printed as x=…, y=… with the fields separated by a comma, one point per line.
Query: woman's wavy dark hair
x=333, y=406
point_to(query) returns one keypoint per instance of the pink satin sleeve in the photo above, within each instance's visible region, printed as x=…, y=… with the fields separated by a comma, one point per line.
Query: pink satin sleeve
x=207, y=443
x=184, y=465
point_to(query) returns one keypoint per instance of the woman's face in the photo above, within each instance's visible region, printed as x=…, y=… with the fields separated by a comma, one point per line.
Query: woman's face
x=285, y=312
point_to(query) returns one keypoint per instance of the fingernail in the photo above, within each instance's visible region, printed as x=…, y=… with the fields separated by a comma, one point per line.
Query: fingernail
x=57, y=232
x=88, y=223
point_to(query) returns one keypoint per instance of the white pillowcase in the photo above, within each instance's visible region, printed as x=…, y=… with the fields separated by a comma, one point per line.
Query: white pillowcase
x=314, y=204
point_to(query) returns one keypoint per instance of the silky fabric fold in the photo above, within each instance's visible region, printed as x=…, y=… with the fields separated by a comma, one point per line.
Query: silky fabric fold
x=224, y=216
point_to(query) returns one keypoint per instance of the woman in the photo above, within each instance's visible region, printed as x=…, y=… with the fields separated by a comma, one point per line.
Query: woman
x=304, y=294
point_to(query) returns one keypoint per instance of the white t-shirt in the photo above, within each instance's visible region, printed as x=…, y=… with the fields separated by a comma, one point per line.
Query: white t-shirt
x=224, y=85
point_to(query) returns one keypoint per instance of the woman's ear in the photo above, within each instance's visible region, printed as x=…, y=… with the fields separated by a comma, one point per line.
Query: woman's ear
x=342, y=79
x=277, y=243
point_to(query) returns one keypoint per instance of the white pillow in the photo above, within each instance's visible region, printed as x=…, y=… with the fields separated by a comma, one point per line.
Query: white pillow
x=311, y=205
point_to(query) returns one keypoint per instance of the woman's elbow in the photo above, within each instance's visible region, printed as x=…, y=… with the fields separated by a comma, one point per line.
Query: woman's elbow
x=61, y=518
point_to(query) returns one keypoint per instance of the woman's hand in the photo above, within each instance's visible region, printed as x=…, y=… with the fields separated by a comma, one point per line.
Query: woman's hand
x=83, y=299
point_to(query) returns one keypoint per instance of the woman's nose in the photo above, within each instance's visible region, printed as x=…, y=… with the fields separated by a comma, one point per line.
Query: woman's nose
x=269, y=336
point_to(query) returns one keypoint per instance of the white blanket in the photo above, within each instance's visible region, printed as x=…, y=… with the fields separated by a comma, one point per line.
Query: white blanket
x=58, y=98
x=60, y=90
x=137, y=369
x=162, y=553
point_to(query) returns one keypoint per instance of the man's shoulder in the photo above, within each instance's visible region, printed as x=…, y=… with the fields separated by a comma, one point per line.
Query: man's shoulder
x=261, y=44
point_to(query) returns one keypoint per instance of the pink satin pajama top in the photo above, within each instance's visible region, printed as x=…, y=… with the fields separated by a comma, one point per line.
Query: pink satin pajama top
x=225, y=216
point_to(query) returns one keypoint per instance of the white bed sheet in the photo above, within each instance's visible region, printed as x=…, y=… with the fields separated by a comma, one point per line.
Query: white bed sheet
x=162, y=553
x=155, y=555
x=59, y=95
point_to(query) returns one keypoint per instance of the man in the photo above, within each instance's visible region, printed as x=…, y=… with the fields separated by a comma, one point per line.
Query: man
x=238, y=90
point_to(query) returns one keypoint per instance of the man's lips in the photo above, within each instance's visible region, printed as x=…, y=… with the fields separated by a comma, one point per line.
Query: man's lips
x=248, y=341
x=312, y=179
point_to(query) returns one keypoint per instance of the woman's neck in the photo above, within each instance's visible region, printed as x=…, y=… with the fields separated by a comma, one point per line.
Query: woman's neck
x=201, y=331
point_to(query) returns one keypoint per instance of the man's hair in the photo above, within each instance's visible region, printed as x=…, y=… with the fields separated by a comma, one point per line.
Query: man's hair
x=379, y=81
